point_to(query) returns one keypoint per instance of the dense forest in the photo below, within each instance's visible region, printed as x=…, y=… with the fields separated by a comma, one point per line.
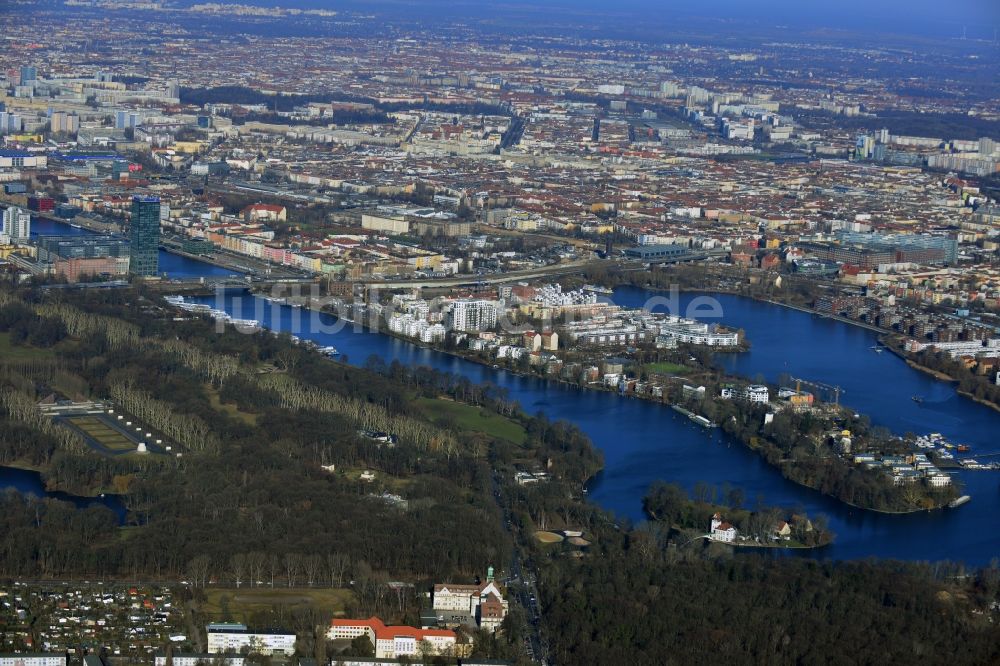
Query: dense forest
x=257, y=418
x=635, y=602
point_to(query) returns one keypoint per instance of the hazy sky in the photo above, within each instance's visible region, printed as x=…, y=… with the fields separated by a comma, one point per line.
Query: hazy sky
x=944, y=18
x=980, y=13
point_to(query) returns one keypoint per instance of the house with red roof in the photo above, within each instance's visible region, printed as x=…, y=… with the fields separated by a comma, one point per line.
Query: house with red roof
x=265, y=213
x=721, y=530
x=392, y=642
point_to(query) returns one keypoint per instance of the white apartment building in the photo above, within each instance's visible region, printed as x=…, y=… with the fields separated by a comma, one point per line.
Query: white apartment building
x=392, y=225
x=694, y=332
x=473, y=315
x=32, y=659
x=939, y=480
x=16, y=224
x=757, y=393
x=188, y=659
x=235, y=638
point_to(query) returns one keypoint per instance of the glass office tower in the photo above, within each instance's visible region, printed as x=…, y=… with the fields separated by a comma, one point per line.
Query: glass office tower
x=144, y=236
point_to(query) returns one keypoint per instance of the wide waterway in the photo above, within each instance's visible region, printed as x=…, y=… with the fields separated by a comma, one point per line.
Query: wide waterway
x=644, y=442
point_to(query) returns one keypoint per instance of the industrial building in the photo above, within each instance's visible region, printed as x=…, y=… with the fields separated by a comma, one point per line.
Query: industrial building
x=654, y=253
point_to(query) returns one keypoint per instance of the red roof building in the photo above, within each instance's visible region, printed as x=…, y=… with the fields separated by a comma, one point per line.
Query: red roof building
x=391, y=642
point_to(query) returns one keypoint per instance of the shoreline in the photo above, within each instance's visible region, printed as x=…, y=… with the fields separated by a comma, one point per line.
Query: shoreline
x=985, y=403
x=40, y=471
x=799, y=308
x=896, y=513
x=936, y=374
x=943, y=377
x=764, y=546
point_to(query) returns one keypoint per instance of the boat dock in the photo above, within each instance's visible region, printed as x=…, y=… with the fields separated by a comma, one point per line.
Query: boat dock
x=697, y=418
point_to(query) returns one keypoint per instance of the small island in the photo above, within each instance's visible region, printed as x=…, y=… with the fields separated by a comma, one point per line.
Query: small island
x=725, y=520
x=827, y=447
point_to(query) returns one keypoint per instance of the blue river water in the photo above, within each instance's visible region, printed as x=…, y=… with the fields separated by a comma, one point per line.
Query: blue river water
x=28, y=482
x=644, y=442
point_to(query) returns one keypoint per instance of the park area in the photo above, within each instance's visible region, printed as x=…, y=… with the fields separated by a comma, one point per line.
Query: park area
x=468, y=417
x=667, y=368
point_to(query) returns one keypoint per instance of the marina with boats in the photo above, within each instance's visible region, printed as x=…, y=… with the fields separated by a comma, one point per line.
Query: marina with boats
x=937, y=445
x=218, y=315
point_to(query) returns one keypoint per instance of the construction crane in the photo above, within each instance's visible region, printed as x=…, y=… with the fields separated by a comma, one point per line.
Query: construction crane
x=786, y=378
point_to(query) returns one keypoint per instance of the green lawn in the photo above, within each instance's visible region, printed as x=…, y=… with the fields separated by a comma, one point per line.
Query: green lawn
x=668, y=368
x=12, y=352
x=472, y=418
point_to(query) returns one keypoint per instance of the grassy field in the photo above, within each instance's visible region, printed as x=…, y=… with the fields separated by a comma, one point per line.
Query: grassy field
x=472, y=418
x=11, y=352
x=102, y=433
x=228, y=409
x=668, y=368
x=243, y=602
x=548, y=537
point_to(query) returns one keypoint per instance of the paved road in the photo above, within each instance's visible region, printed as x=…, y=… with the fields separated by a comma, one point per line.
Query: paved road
x=522, y=583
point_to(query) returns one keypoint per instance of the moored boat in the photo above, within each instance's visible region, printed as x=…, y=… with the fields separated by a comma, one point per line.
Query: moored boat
x=959, y=501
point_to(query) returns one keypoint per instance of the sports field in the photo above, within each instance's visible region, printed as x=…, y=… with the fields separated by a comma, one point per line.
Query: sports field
x=241, y=604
